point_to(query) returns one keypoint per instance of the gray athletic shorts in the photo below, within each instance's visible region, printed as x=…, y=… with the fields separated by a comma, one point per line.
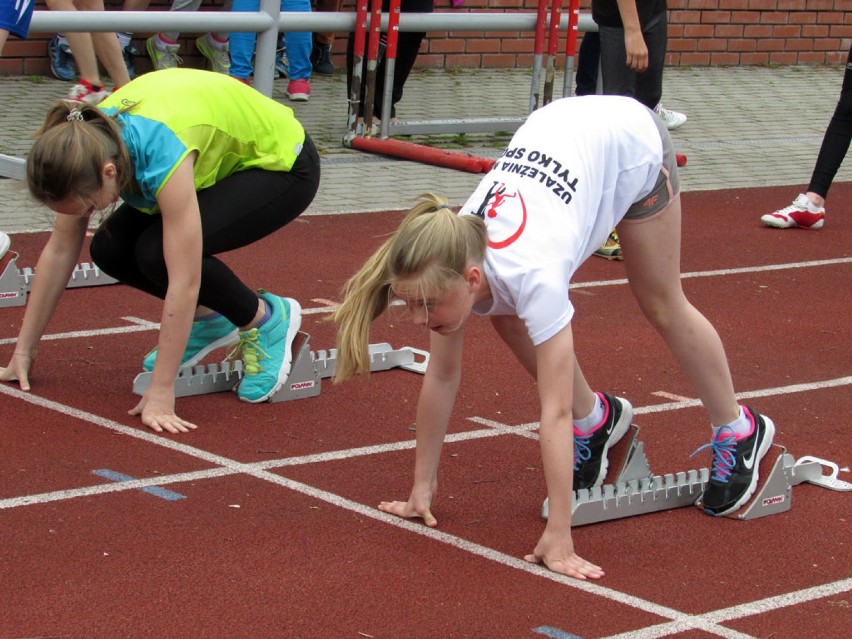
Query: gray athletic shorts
x=668, y=182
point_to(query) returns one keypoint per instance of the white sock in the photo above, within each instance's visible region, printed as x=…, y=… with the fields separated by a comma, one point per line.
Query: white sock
x=588, y=423
x=813, y=208
x=216, y=42
x=124, y=39
x=740, y=427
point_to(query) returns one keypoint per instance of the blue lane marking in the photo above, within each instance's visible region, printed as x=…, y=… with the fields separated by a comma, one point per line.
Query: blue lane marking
x=554, y=633
x=162, y=493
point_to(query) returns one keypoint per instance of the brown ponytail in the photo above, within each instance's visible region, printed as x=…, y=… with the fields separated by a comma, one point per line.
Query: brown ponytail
x=71, y=148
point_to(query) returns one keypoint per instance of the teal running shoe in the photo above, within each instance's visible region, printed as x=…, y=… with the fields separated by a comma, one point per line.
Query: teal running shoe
x=205, y=337
x=267, y=352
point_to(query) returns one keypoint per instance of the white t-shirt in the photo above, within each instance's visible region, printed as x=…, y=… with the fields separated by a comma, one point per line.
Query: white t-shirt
x=569, y=175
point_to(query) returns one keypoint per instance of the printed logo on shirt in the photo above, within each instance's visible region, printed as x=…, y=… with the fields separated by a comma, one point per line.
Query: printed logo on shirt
x=541, y=167
x=511, y=208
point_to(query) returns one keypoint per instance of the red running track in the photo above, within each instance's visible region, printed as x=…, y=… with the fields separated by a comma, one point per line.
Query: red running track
x=276, y=534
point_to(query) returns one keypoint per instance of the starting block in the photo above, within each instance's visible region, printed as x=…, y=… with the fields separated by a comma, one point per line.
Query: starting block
x=637, y=491
x=15, y=283
x=306, y=372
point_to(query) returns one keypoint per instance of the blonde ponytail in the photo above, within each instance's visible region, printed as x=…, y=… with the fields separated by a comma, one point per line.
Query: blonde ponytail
x=433, y=245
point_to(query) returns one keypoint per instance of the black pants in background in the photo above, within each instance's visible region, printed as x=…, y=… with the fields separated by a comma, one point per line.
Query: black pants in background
x=835, y=142
x=408, y=46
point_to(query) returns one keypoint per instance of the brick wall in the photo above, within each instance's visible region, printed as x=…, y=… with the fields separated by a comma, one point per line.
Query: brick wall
x=701, y=33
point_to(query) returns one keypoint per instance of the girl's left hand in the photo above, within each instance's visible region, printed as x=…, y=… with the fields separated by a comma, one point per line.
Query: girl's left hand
x=158, y=414
x=556, y=552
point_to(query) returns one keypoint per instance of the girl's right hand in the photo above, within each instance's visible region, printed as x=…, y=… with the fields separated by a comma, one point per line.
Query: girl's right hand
x=418, y=505
x=556, y=552
x=18, y=370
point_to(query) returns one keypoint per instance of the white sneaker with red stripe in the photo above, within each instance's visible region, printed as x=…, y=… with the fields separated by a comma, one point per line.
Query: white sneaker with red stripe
x=85, y=91
x=800, y=214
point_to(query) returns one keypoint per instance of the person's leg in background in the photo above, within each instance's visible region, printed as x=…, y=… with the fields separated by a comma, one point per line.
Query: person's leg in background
x=299, y=45
x=648, y=86
x=408, y=47
x=87, y=48
x=321, y=52
x=163, y=47
x=808, y=209
x=835, y=142
x=125, y=38
x=242, y=44
x=588, y=60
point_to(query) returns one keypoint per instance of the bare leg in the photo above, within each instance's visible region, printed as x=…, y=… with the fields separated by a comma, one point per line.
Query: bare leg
x=652, y=259
x=106, y=47
x=512, y=330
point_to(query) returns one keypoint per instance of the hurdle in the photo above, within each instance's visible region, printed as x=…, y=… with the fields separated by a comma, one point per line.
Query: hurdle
x=361, y=138
x=307, y=371
x=635, y=490
x=13, y=167
x=546, y=39
x=367, y=36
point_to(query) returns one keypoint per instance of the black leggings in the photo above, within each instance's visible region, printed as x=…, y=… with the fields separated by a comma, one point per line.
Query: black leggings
x=618, y=78
x=835, y=143
x=235, y=212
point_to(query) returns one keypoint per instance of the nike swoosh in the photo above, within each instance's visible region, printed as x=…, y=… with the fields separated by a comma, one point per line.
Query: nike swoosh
x=748, y=462
x=612, y=422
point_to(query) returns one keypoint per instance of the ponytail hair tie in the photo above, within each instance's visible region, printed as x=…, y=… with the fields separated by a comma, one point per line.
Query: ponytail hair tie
x=442, y=206
x=75, y=115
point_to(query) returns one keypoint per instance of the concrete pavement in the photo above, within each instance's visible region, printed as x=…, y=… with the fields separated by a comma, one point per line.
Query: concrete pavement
x=747, y=127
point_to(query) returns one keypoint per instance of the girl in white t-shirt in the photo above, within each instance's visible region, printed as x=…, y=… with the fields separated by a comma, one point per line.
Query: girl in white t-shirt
x=576, y=169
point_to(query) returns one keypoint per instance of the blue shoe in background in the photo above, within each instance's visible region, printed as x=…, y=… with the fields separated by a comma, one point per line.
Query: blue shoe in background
x=61, y=60
x=129, y=52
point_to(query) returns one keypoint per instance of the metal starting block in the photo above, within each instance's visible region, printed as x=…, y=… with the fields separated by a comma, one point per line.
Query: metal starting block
x=15, y=283
x=636, y=491
x=306, y=372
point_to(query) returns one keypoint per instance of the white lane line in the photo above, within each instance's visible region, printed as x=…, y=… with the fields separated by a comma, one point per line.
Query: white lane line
x=342, y=502
x=526, y=429
x=780, y=601
x=672, y=396
x=749, y=609
x=766, y=392
x=680, y=621
x=728, y=271
x=228, y=466
x=137, y=325
x=509, y=561
x=163, y=480
x=144, y=325
x=691, y=275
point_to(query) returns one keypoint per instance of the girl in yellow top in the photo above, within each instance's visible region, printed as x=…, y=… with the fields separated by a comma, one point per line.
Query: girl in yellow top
x=204, y=165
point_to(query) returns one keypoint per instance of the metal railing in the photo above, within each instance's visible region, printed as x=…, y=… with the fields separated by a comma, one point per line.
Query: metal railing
x=270, y=20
